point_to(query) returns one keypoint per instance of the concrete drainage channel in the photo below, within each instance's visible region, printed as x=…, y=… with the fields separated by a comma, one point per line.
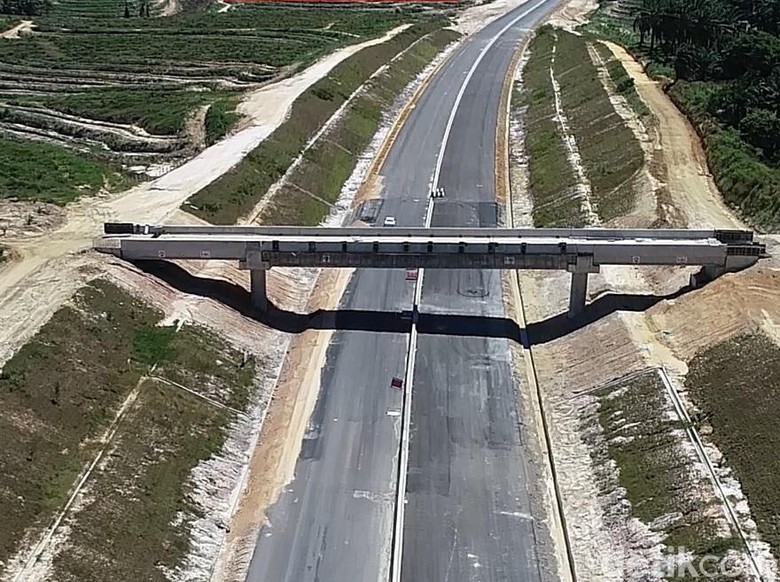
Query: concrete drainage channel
x=696, y=441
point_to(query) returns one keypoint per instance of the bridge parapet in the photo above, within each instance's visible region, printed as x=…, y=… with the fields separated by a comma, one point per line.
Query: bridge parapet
x=579, y=251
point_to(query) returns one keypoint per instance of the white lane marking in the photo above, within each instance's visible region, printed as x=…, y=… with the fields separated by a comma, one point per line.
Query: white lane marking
x=462, y=90
x=398, y=545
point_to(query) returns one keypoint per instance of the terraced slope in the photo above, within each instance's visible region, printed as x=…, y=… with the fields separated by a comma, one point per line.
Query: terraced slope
x=102, y=79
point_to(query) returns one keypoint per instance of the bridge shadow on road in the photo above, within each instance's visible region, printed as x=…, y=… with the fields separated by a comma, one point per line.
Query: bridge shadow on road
x=238, y=298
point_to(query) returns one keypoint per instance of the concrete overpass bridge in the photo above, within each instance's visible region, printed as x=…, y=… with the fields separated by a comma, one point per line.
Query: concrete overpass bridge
x=579, y=251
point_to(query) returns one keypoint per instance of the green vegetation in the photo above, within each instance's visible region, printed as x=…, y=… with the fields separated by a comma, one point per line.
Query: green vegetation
x=552, y=179
x=63, y=389
x=736, y=385
x=41, y=172
x=327, y=165
x=624, y=84
x=235, y=193
x=724, y=56
x=124, y=531
x=107, y=61
x=161, y=111
x=220, y=118
x=8, y=22
x=653, y=465
x=24, y=7
x=611, y=155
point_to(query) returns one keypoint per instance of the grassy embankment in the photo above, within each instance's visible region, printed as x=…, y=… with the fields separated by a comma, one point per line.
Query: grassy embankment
x=88, y=60
x=328, y=164
x=736, y=385
x=62, y=390
x=623, y=82
x=611, y=155
x=646, y=445
x=715, y=86
x=235, y=194
x=38, y=171
x=552, y=178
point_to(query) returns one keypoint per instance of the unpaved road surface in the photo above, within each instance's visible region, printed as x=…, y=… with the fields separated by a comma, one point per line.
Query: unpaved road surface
x=687, y=176
x=16, y=31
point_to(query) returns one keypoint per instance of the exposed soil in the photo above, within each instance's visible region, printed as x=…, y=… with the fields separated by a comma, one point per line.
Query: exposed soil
x=687, y=176
x=24, y=27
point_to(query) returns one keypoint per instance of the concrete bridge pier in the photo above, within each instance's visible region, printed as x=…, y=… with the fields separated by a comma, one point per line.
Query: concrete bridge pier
x=579, y=283
x=257, y=268
x=257, y=289
x=578, y=294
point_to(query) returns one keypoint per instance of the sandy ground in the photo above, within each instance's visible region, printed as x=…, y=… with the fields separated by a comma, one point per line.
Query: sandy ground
x=573, y=13
x=23, y=27
x=689, y=181
x=272, y=104
x=668, y=334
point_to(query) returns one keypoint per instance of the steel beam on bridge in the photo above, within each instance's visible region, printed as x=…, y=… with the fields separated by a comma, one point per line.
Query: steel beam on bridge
x=579, y=251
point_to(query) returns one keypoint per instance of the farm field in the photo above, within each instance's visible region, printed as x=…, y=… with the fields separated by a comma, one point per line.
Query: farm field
x=138, y=91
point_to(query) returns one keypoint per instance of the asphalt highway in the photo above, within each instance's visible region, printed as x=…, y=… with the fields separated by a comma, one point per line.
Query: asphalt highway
x=467, y=512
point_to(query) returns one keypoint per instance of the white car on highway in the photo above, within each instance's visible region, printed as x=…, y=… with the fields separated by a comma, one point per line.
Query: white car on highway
x=389, y=221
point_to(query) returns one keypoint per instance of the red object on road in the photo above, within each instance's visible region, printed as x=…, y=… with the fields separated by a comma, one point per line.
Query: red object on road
x=411, y=274
x=397, y=383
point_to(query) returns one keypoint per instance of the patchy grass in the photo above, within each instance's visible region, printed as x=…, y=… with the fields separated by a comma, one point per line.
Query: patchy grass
x=60, y=389
x=124, y=531
x=58, y=394
x=736, y=385
x=624, y=84
x=328, y=164
x=551, y=176
x=645, y=440
x=44, y=173
x=610, y=153
x=235, y=193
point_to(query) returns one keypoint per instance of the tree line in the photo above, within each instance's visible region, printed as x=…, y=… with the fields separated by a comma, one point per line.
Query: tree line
x=24, y=7
x=732, y=44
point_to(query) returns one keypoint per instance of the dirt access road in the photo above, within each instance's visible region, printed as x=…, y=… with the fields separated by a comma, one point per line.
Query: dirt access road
x=687, y=177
